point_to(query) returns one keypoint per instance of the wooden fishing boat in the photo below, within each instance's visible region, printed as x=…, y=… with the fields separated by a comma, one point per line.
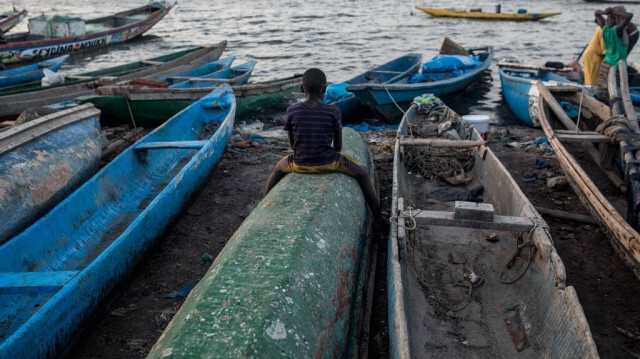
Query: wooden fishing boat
x=150, y=107
x=235, y=75
x=351, y=110
x=478, y=14
x=55, y=273
x=600, y=190
x=290, y=280
x=206, y=69
x=46, y=38
x=388, y=100
x=14, y=100
x=30, y=73
x=10, y=19
x=43, y=161
x=472, y=270
x=519, y=90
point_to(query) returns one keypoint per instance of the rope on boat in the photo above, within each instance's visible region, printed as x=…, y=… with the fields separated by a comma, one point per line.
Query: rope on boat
x=126, y=99
x=432, y=160
x=520, y=243
x=407, y=214
x=394, y=101
x=469, y=284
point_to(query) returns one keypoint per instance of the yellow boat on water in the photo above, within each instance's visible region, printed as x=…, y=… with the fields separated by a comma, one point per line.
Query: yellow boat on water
x=479, y=14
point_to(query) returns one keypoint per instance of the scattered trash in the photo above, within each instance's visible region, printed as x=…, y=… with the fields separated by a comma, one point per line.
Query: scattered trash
x=51, y=78
x=530, y=177
x=206, y=257
x=138, y=345
x=165, y=316
x=366, y=127
x=569, y=109
x=258, y=139
x=257, y=128
x=182, y=292
x=493, y=237
x=557, y=182
x=123, y=312
x=511, y=308
x=541, y=141
x=542, y=163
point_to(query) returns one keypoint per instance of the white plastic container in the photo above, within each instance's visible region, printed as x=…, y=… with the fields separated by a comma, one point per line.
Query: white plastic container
x=53, y=27
x=480, y=122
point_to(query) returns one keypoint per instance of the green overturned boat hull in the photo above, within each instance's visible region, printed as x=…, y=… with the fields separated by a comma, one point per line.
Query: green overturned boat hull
x=289, y=283
x=152, y=113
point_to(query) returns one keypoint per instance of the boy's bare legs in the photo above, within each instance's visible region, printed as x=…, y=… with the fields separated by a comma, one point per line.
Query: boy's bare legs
x=276, y=175
x=371, y=197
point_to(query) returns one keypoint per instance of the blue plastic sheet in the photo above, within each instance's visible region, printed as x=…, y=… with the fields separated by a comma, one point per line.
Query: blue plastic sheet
x=570, y=109
x=336, y=92
x=448, y=63
x=366, y=127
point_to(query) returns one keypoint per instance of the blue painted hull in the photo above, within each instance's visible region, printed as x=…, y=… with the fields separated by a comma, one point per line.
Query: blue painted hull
x=352, y=110
x=388, y=101
x=42, y=162
x=516, y=90
x=75, y=255
x=30, y=73
x=236, y=75
x=203, y=70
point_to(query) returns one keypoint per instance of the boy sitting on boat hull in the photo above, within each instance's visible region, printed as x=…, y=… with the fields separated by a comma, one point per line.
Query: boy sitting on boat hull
x=312, y=126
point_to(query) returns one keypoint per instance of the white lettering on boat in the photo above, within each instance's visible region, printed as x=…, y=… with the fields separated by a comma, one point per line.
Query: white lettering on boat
x=64, y=48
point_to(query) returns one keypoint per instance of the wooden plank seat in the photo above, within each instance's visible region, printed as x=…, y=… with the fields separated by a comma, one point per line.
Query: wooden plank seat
x=499, y=223
x=183, y=145
x=34, y=282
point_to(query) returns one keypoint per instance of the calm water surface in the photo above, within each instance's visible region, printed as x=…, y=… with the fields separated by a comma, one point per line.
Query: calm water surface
x=343, y=38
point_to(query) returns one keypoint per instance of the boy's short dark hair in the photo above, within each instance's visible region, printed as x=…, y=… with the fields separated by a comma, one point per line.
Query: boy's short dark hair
x=314, y=80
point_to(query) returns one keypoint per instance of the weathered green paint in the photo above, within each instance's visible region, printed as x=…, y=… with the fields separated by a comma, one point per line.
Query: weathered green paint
x=288, y=282
x=153, y=113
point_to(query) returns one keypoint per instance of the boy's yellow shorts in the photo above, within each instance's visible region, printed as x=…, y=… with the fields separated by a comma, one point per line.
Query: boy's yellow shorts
x=344, y=164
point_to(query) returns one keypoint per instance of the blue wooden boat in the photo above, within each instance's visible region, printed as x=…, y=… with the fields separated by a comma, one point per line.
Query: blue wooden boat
x=351, y=109
x=30, y=73
x=386, y=100
x=203, y=70
x=55, y=273
x=235, y=75
x=42, y=162
x=518, y=90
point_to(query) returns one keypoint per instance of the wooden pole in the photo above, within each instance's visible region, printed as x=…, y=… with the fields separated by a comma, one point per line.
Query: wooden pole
x=612, y=83
x=566, y=215
x=626, y=97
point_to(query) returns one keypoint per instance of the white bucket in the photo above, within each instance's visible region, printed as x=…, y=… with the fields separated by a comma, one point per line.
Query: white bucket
x=480, y=122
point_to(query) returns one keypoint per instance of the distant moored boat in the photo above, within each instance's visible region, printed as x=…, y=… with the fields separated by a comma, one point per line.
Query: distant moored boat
x=10, y=19
x=478, y=14
x=53, y=36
